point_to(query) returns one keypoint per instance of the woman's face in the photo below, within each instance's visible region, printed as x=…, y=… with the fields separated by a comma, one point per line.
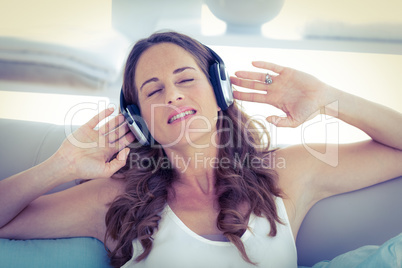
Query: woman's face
x=176, y=99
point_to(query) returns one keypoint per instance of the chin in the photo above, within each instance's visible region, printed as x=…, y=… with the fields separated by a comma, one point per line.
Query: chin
x=193, y=140
x=196, y=133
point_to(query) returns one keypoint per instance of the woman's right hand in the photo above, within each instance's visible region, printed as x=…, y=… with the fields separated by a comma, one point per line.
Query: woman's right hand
x=87, y=152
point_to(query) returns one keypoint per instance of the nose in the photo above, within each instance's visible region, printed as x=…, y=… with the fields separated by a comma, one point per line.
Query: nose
x=173, y=94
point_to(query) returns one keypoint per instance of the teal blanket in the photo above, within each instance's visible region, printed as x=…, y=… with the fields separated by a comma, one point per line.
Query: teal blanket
x=89, y=252
x=388, y=255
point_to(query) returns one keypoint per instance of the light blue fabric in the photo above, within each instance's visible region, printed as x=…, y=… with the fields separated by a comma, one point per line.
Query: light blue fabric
x=90, y=252
x=388, y=255
x=62, y=253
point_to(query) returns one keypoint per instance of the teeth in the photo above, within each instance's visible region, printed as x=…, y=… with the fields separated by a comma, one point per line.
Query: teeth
x=180, y=115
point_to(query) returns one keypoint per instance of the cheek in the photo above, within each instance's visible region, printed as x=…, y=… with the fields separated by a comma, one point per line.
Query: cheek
x=213, y=103
x=211, y=108
x=153, y=117
x=146, y=115
x=207, y=93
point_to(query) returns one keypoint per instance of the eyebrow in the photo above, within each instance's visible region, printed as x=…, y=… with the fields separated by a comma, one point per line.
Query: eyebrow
x=154, y=79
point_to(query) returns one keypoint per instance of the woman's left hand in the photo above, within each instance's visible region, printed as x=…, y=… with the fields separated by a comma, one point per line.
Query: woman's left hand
x=298, y=94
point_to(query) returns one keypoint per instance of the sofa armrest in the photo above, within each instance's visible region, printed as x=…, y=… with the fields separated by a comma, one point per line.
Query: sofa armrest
x=344, y=222
x=25, y=144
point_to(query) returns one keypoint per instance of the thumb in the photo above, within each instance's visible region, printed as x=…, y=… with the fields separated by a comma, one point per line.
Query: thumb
x=280, y=121
x=123, y=154
x=119, y=161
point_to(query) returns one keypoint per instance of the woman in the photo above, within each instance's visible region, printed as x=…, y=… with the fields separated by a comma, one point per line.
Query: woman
x=208, y=194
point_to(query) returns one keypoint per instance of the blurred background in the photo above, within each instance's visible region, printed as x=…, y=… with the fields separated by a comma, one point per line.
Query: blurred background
x=61, y=61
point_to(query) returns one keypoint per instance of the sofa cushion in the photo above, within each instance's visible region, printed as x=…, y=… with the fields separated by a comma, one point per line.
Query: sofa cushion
x=61, y=253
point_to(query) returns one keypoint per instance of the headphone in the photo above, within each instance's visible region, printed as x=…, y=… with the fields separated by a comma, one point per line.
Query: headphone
x=221, y=84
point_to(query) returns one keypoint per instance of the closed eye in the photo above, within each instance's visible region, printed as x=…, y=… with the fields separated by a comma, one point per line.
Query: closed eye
x=153, y=92
x=186, y=80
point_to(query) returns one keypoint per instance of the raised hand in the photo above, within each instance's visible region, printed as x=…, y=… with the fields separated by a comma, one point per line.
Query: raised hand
x=88, y=152
x=298, y=94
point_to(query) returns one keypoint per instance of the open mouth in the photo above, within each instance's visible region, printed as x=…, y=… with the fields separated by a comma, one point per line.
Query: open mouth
x=181, y=115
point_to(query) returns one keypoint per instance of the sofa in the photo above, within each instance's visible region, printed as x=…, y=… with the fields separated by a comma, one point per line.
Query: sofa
x=332, y=227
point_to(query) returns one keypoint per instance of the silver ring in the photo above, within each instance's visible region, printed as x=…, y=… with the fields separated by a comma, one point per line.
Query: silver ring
x=268, y=79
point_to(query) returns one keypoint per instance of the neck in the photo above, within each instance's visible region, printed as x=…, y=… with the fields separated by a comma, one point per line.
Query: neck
x=195, y=166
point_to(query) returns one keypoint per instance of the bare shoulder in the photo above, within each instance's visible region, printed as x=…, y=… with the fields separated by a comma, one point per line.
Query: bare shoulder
x=337, y=168
x=297, y=167
x=103, y=193
x=311, y=172
x=97, y=193
x=107, y=190
x=330, y=169
x=294, y=167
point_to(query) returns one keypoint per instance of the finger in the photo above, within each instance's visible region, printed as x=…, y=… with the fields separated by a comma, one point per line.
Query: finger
x=126, y=140
x=251, y=75
x=254, y=97
x=269, y=66
x=113, y=124
x=117, y=163
x=99, y=117
x=280, y=121
x=122, y=155
x=118, y=133
x=251, y=84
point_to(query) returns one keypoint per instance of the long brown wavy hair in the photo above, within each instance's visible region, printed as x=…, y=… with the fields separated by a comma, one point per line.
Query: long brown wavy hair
x=136, y=213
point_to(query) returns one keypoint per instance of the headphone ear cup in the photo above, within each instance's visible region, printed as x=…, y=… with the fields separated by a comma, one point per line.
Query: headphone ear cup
x=134, y=110
x=220, y=81
x=142, y=132
x=217, y=85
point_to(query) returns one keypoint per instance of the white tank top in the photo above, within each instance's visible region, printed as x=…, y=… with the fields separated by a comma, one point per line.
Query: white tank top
x=176, y=246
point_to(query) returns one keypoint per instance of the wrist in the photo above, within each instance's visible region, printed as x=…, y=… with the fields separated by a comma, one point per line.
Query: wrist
x=61, y=168
x=330, y=101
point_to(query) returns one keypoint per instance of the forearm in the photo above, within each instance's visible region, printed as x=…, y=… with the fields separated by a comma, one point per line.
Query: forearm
x=381, y=123
x=18, y=191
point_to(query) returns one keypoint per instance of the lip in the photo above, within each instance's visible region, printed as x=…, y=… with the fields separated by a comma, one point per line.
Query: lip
x=179, y=110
